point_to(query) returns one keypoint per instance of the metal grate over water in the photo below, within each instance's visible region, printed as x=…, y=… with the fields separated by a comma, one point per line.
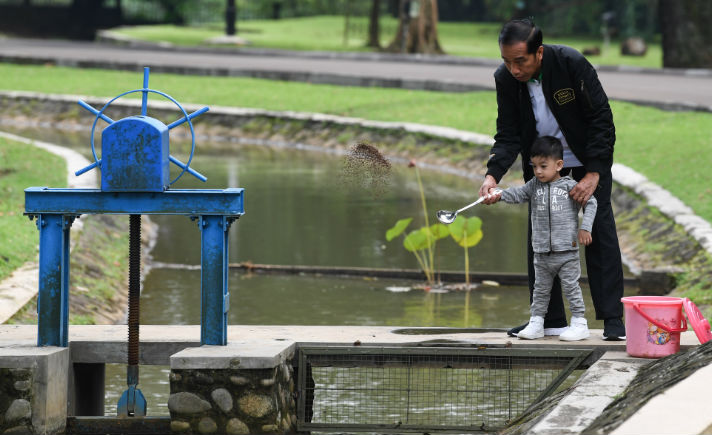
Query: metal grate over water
x=402, y=389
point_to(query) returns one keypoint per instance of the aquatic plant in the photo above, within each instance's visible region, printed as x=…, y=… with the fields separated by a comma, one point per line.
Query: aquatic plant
x=422, y=241
x=466, y=232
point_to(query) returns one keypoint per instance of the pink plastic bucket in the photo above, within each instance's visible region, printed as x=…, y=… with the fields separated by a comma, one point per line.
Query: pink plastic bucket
x=653, y=325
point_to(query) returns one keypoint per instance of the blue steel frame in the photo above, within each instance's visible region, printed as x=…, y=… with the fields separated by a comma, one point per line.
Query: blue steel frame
x=146, y=193
x=215, y=300
x=56, y=209
x=53, y=298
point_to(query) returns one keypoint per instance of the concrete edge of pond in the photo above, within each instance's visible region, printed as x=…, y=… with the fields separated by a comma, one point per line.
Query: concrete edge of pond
x=590, y=395
x=669, y=205
x=107, y=343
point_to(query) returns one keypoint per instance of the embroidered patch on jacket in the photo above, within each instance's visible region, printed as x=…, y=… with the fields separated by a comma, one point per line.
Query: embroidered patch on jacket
x=563, y=96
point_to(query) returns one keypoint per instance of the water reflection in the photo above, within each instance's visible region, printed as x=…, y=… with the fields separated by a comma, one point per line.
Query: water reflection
x=173, y=297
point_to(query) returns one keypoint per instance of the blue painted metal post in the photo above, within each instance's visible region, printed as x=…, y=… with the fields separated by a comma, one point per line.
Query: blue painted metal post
x=144, y=93
x=214, y=278
x=53, y=299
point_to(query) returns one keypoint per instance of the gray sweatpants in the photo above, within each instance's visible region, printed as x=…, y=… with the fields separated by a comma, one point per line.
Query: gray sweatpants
x=567, y=265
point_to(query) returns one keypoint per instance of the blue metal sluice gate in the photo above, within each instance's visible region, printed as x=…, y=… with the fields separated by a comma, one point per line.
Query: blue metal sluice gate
x=134, y=180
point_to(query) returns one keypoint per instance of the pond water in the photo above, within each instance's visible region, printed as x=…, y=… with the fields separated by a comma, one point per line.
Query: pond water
x=301, y=210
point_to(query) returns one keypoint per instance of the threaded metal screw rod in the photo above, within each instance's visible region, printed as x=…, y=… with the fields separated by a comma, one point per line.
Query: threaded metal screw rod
x=132, y=403
x=134, y=286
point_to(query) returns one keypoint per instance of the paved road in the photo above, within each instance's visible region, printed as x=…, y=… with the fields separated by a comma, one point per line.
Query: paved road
x=690, y=89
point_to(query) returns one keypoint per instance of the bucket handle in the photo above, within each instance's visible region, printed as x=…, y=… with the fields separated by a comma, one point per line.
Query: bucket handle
x=661, y=325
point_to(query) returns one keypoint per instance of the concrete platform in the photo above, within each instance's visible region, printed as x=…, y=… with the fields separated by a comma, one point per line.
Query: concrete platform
x=23, y=335
x=592, y=393
x=610, y=368
x=107, y=343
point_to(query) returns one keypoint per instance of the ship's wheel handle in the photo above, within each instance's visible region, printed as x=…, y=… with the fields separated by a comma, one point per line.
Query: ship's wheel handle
x=99, y=114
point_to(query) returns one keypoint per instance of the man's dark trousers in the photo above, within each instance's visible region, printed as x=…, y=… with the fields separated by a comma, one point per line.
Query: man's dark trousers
x=603, y=260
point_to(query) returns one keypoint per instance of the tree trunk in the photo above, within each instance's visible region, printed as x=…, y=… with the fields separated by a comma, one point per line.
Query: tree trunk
x=174, y=11
x=417, y=34
x=687, y=35
x=374, y=31
x=230, y=16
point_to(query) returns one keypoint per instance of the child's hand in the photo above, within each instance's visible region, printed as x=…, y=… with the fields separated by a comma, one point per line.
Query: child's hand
x=584, y=237
x=493, y=197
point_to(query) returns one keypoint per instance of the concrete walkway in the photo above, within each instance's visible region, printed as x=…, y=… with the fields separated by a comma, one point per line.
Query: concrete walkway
x=682, y=89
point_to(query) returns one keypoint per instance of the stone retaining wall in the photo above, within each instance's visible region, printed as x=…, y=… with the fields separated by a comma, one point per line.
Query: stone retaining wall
x=233, y=401
x=245, y=387
x=33, y=389
x=15, y=400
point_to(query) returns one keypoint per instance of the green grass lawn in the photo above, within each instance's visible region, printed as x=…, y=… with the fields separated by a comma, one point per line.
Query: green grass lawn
x=327, y=33
x=670, y=148
x=22, y=166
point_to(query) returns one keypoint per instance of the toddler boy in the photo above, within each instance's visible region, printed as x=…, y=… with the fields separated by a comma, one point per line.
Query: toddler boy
x=555, y=236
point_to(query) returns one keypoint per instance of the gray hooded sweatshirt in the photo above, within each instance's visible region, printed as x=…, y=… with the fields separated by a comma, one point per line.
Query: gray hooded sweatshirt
x=554, y=215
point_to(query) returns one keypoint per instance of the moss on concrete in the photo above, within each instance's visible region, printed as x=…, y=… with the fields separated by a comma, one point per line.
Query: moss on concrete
x=651, y=380
x=655, y=241
x=526, y=421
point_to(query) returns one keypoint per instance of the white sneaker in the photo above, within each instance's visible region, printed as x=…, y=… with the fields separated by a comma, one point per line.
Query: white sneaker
x=577, y=331
x=555, y=331
x=534, y=330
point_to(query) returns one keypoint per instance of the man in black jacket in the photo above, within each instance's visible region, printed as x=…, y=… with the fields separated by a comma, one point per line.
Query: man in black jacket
x=552, y=90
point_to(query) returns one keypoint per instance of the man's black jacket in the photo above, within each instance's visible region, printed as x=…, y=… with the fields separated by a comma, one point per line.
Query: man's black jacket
x=577, y=100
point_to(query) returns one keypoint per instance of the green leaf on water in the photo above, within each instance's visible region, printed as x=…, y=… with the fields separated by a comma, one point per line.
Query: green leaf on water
x=417, y=240
x=430, y=236
x=398, y=228
x=439, y=231
x=467, y=232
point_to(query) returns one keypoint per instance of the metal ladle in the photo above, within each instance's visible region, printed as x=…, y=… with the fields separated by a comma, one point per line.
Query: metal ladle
x=448, y=217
